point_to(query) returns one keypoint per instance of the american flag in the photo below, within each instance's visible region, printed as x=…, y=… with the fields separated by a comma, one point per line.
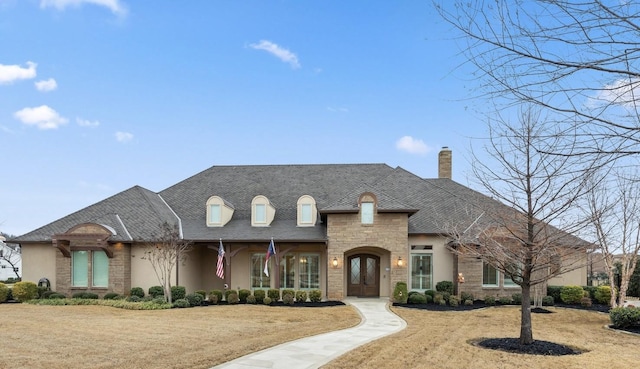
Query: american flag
x=270, y=251
x=220, y=266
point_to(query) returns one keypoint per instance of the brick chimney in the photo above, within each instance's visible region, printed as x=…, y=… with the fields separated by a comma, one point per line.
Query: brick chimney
x=444, y=163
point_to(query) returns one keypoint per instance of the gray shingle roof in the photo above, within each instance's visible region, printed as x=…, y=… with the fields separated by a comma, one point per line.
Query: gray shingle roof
x=137, y=212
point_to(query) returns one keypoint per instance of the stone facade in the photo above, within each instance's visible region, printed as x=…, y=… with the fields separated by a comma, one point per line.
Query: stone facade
x=387, y=238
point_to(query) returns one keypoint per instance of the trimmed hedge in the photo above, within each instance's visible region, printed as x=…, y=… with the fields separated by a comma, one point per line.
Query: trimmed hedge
x=417, y=298
x=260, y=295
x=243, y=294
x=137, y=291
x=623, y=317
x=554, y=291
x=273, y=294
x=178, y=292
x=445, y=286
x=603, y=295
x=301, y=296
x=25, y=291
x=400, y=293
x=156, y=291
x=217, y=293
x=571, y=294
x=315, y=295
x=4, y=292
x=195, y=299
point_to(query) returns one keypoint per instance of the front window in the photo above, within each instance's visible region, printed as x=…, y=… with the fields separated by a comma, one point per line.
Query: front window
x=366, y=212
x=421, y=272
x=80, y=269
x=305, y=210
x=260, y=214
x=490, y=275
x=215, y=214
x=100, y=269
x=310, y=271
x=288, y=271
x=258, y=279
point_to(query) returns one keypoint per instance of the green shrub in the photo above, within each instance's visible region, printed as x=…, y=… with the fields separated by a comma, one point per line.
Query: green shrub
x=178, y=292
x=442, y=302
x=149, y=298
x=291, y=292
x=591, y=290
x=181, y=303
x=195, y=299
x=445, y=296
x=468, y=302
x=603, y=295
x=464, y=296
x=287, y=298
x=57, y=296
x=156, y=291
x=217, y=294
x=273, y=294
x=251, y=299
x=301, y=296
x=571, y=294
x=233, y=298
x=417, y=298
x=25, y=291
x=46, y=294
x=517, y=298
x=489, y=300
x=213, y=299
x=315, y=295
x=267, y=300
x=159, y=300
x=135, y=298
x=4, y=292
x=428, y=299
x=229, y=292
x=504, y=300
x=438, y=299
x=585, y=301
x=554, y=291
x=400, y=293
x=411, y=293
x=445, y=286
x=623, y=317
x=136, y=291
x=431, y=293
x=202, y=293
x=110, y=296
x=84, y=295
x=453, y=300
x=547, y=301
x=243, y=294
x=42, y=290
x=259, y=294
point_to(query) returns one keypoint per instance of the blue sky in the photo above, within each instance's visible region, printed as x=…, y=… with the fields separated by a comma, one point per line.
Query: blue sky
x=97, y=96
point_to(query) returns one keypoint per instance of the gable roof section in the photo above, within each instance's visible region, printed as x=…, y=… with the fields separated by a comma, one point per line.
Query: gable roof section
x=134, y=214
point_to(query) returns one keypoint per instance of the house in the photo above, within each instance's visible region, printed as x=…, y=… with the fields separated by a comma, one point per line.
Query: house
x=345, y=229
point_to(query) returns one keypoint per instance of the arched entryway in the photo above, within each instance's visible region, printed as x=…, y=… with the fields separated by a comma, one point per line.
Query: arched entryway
x=363, y=274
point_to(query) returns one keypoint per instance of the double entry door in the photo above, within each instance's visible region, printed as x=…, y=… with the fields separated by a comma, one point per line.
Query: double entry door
x=364, y=275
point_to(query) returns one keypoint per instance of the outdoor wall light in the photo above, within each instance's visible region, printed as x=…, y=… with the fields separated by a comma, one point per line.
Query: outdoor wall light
x=334, y=262
x=400, y=262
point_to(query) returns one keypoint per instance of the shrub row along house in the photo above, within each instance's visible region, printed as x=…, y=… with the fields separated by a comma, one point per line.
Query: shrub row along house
x=345, y=229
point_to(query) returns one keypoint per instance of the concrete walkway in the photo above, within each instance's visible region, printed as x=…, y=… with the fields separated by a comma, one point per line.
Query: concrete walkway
x=315, y=351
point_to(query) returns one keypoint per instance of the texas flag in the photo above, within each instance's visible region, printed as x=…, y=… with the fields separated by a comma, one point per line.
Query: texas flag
x=270, y=251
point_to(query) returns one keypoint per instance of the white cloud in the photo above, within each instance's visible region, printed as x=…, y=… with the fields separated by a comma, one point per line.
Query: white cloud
x=277, y=51
x=87, y=123
x=412, y=145
x=11, y=73
x=42, y=117
x=116, y=6
x=46, y=85
x=124, y=137
x=623, y=92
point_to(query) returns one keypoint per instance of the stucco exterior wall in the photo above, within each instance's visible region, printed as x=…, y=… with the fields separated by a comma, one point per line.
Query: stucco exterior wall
x=38, y=261
x=347, y=234
x=442, y=258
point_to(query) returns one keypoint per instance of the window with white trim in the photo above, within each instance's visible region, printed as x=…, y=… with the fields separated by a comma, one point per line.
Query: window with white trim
x=258, y=279
x=307, y=211
x=421, y=271
x=366, y=212
x=262, y=212
x=81, y=269
x=219, y=212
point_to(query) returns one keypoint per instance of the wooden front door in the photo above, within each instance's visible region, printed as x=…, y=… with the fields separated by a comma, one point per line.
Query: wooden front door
x=364, y=275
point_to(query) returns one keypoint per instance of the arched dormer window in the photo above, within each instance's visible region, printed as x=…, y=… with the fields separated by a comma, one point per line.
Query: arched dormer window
x=367, y=203
x=307, y=211
x=219, y=212
x=262, y=212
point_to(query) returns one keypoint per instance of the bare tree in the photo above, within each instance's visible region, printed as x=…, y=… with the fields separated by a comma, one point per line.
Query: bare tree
x=527, y=234
x=578, y=60
x=614, y=210
x=164, y=252
x=11, y=255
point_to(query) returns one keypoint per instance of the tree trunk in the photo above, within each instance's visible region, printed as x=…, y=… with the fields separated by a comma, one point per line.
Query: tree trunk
x=526, y=331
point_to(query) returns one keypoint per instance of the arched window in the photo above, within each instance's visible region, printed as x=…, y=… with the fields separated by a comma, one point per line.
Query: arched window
x=367, y=203
x=219, y=212
x=262, y=212
x=307, y=211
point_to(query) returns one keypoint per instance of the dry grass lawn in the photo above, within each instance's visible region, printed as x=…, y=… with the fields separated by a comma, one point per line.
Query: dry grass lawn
x=103, y=337
x=441, y=340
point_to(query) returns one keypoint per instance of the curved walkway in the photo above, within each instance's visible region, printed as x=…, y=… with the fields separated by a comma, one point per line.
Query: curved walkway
x=312, y=352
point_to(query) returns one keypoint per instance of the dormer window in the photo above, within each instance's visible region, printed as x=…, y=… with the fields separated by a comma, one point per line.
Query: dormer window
x=307, y=211
x=262, y=212
x=367, y=203
x=219, y=212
